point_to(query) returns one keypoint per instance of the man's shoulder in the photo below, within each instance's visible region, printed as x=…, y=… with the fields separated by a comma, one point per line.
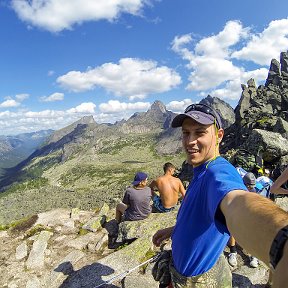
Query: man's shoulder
x=221, y=166
x=220, y=161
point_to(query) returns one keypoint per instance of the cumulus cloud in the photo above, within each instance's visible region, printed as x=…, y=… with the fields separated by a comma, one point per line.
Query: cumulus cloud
x=179, y=106
x=134, y=78
x=266, y=45
x=115, y=106
x=53, y=97
x=27, y=121
x=9, y=103
x=86, y=108
x=57, y=15
x=211, y=60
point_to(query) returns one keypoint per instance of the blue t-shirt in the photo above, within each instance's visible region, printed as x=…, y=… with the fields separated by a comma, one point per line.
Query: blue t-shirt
x=199, y=237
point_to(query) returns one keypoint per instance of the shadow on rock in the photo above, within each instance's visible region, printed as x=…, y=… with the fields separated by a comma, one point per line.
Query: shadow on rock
x=89, y=276
x=241, y=281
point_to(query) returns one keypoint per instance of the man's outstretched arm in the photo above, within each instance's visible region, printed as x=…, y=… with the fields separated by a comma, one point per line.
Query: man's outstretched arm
x=254, y=221
x=276, y=187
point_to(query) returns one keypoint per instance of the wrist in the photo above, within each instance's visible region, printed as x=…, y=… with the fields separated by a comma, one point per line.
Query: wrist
x=278, y=247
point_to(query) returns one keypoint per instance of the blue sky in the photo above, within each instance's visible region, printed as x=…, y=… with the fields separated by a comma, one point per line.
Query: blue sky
x=63, y=59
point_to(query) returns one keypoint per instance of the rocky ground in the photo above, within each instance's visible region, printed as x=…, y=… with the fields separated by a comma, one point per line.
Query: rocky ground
x=68, y=248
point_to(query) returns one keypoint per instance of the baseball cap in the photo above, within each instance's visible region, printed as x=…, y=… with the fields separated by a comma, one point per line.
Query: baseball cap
x=140, y=176
x=201, y=113
x=249, y=179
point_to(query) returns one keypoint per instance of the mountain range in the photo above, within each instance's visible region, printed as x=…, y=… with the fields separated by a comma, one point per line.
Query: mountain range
x=14, y=149
x=86, y=163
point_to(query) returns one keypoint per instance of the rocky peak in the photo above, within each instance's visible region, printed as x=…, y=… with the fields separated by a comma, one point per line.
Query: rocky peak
x=86, y=120
x=156, y=118
x=68, y=130
x=225, y=111
x=158, y=106
x=261, y=116
x=278, y=72
x=284, y=65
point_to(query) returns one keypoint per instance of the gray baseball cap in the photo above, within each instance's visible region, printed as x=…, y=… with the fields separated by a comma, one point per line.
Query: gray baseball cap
x=201, y=113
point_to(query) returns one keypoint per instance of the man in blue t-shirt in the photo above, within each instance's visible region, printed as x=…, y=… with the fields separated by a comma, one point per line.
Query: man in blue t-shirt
x=216, y=204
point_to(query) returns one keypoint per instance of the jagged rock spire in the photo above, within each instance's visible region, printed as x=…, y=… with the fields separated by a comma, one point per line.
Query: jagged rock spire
x=158, y=106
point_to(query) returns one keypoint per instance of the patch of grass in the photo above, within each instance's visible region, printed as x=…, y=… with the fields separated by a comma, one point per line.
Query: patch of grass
x=37, y=229
x=149, y=254
x=23, y=224
x=82, y=232
x=263, y=120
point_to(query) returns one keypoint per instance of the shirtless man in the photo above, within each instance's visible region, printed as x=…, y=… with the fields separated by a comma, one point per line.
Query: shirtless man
x=169, y=188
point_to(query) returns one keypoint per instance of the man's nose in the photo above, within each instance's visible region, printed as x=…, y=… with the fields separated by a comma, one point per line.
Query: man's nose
x=191, y=139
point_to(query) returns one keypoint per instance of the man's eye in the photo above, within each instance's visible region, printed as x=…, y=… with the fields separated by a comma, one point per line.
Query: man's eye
x=201, y=132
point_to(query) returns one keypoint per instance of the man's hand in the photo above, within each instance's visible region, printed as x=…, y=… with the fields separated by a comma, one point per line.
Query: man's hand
x=162, y=235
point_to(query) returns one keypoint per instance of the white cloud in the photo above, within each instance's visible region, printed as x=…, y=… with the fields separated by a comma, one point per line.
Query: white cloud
x=114, y=106
x=88, y=107
x=178, y=106
x=27, y=121
x=134, y=78
x=9, y=103
x=210, y=72
x=266, y=45
x=212, y=59
x=218, y=46
x=22, y=97
x=53, y=97
x=57, y=15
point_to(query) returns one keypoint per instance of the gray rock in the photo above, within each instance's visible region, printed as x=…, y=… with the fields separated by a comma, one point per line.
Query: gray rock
x=96, y=223
x=81, y=242
x=21, y=251
x=35, y=260
x=34, y=282
x=274, y=145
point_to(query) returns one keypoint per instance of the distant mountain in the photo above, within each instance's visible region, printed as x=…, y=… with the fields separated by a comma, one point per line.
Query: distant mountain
x=14, y=149
x=87, y=163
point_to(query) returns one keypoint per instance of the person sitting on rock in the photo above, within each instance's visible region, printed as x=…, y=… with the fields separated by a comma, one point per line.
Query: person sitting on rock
x=136, y=202
x=169, y=188
x=249, y=180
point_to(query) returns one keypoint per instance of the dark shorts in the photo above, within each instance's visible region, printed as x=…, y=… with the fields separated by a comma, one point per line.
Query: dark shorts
x=158, y=205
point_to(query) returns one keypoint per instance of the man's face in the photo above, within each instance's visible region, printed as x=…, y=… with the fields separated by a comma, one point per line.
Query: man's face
x=199, y=141
x=250, y=187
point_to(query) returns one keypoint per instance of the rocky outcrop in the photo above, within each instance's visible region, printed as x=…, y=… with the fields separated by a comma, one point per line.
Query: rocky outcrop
x=225, y=111
x=155, y=119
x=262, y=111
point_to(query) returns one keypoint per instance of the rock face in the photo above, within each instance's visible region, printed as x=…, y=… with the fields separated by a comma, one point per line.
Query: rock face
x=56, y=251
x=225, y=111
x=261, y=117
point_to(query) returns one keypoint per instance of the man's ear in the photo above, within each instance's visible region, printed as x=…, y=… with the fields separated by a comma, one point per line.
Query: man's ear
x=219, y=135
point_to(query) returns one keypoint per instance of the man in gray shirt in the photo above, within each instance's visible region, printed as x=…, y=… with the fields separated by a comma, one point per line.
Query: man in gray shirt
x=136, y=202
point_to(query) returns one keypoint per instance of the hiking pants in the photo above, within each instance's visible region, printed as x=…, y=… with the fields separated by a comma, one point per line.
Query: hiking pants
x=219, y=276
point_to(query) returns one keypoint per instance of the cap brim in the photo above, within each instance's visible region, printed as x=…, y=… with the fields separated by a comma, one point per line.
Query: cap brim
x=198, y=116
